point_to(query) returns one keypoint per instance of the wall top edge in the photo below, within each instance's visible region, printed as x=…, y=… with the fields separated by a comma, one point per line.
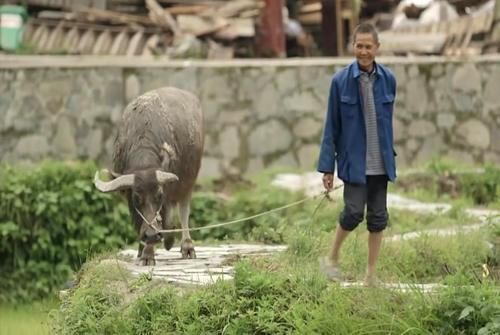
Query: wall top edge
x=23, y=62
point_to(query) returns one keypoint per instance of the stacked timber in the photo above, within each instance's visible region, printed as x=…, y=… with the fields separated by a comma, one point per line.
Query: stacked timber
x=210, y=27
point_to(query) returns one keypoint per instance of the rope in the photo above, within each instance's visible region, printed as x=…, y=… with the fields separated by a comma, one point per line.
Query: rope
x=152, y=226
x=325, y=195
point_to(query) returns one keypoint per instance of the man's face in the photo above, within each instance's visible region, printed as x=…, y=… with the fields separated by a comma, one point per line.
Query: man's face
x=365, y=48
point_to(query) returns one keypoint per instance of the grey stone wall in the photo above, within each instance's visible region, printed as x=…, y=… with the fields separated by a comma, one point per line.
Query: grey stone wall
x=257, y=113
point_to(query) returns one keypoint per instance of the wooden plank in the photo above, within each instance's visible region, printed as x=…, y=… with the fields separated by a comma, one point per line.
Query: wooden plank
x=310, y=18
x=237, y=28
x=151, y=45
x=310, y=8
x=457, y=36
x=186, y=9
x=231, y=9
x=198, y=26
x=86, y=42
x=92, y=15
x=161, y=17
x=55, y=39
x=103, y=43
x=420, y=43
x=136, y=44
x=249, y=13
x=120, y=44
x=40, y=36
x=70, y=43
x=28, y=32
x=192, y=2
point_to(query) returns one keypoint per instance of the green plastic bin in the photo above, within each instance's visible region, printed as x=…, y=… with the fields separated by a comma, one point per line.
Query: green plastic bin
x=12, y=20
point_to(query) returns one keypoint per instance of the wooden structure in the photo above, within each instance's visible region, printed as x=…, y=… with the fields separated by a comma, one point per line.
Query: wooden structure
x=124, y=6
x=271, y=37
x=97, y=31
x=80, y=38
x=462, y=36
x=492, y=40
x=336, y=20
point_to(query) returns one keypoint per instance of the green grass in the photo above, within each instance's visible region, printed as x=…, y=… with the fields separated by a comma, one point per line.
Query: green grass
x=286, y=293
x=30, y=319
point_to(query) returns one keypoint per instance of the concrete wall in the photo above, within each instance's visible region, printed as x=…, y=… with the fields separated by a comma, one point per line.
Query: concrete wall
x=257, y=113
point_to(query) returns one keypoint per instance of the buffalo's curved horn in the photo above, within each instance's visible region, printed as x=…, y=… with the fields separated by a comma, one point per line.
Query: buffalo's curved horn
x=164, y=177
x=124, y=181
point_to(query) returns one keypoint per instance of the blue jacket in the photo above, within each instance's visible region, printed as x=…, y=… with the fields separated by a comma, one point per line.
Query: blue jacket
x=344, y=134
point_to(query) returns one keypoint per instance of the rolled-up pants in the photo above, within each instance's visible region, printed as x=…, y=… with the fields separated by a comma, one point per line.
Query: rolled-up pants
x=373, y=195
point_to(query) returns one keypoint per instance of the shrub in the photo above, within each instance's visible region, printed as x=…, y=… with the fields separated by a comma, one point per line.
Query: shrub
x=51, y=220
x=468, y=310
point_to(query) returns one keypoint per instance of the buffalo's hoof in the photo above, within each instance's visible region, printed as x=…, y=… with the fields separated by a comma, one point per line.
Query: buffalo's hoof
x=187, y=249
x=148, y=256
x=148, y=261
x=168, y=241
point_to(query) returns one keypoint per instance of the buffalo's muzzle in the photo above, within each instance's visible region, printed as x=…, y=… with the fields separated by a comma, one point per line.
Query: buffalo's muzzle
x=152, y=238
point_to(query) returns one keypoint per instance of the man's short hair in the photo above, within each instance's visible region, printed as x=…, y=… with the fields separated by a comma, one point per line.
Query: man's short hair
x=365, y=28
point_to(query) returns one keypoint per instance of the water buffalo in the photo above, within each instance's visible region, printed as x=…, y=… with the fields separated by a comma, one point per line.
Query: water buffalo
x=156, y=159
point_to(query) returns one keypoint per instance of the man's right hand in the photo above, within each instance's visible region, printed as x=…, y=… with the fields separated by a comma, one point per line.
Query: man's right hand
x=328, y=181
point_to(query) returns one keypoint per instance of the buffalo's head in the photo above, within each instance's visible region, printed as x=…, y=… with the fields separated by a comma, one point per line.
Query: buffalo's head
x=145, y=196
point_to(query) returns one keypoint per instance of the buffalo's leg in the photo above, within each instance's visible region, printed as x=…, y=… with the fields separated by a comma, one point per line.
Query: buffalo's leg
x=148, y=255
x=167, y=223
x=187, y=248
x=141, y=246
x=135, y=220
x=139, y=250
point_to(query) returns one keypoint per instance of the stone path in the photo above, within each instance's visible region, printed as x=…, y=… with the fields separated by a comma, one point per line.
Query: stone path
x=215, y=262
x=212, y=263
x=435, y=232
x=424, y=288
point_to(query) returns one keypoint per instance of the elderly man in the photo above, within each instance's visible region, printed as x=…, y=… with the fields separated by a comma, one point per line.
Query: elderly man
x=358, y=135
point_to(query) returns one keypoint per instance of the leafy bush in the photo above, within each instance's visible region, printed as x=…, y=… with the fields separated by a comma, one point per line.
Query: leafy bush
x=209, y=208
x=482, y=188
x=51, y=220
x=468, y=310
x=445, y=180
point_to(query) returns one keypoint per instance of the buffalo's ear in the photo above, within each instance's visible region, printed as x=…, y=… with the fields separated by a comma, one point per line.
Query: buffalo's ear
x=164, y=177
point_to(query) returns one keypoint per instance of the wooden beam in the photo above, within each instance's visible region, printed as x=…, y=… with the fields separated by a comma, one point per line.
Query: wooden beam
x=419, y=43
x=331, y=28
x=271, y=36
x=186, y=9
x=162, y=17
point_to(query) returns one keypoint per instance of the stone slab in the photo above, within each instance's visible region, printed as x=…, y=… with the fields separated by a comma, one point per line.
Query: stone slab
x=212, y=263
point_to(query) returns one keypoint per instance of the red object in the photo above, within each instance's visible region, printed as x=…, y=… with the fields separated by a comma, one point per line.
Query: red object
x=271, y=34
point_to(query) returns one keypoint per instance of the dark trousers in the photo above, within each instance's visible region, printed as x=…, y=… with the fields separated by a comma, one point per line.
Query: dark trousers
x=373, y=194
